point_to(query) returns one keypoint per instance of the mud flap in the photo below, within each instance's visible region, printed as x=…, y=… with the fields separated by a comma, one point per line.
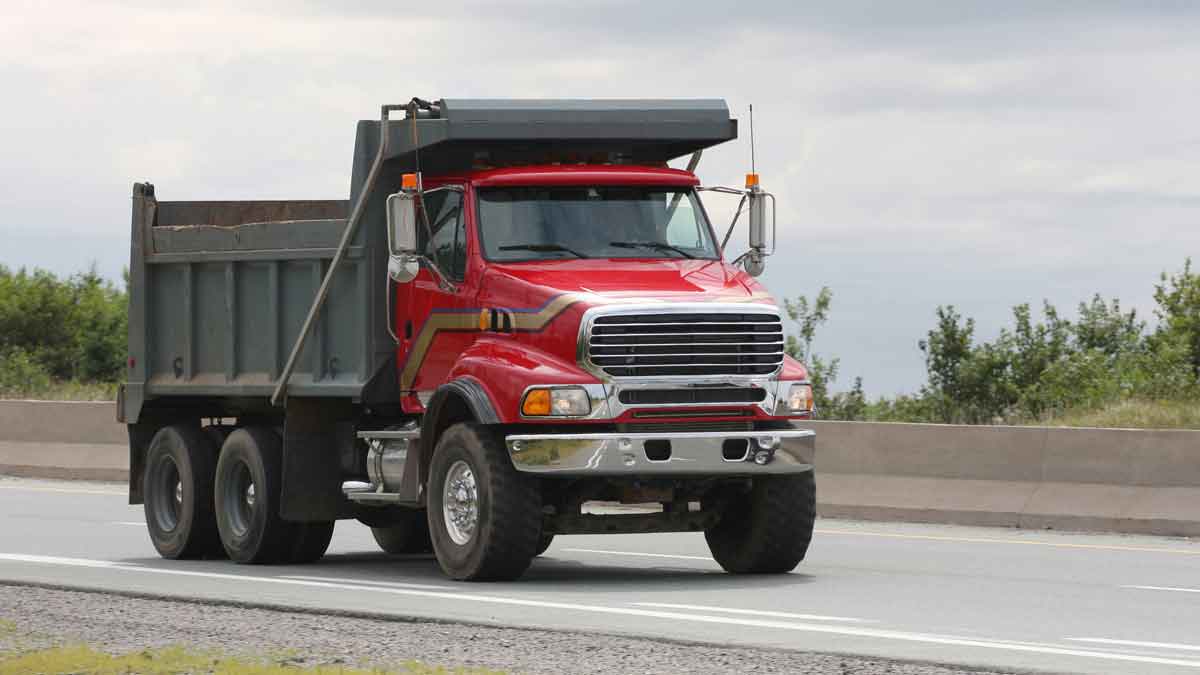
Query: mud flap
x=314, y=432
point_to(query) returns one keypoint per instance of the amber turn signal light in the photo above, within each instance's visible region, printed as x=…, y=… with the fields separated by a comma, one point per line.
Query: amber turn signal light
x=537, y=403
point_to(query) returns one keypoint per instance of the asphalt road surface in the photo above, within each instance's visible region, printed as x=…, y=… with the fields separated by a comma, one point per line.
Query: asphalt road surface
x=971, y=596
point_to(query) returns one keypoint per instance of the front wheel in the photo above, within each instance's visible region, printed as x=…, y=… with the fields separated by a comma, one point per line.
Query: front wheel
x=767, y=529
x=484, y=515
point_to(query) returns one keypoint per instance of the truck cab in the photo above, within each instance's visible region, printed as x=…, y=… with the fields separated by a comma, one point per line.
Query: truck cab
x=563, y=332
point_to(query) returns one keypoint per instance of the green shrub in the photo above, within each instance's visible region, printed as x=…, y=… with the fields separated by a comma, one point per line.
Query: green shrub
x=74, y=328
x=21, y=376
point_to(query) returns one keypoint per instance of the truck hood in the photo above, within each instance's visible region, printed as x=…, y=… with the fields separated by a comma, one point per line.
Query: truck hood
x=600, y=281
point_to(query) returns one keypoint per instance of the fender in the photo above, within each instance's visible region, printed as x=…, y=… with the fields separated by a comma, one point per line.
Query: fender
x=503, y=367
x=462, y=398
x=472, y=391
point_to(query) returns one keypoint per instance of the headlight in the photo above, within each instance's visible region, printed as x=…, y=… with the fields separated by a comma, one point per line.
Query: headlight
x=556, y=402
x=800, y=398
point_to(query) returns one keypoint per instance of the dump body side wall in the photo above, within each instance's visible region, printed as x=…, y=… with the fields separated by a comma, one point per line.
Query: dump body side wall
x=220, y=296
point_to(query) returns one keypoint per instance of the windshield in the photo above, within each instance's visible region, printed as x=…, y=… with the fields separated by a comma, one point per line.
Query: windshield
x=555, y=223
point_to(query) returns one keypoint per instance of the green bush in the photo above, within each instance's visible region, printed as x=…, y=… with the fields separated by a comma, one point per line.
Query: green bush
x=71, y=329
x=21, y=375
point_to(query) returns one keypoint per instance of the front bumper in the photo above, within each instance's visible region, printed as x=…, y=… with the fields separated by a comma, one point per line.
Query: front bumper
x=787, y=451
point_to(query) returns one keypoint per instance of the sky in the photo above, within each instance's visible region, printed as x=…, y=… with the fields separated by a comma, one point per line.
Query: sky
x=979, y=154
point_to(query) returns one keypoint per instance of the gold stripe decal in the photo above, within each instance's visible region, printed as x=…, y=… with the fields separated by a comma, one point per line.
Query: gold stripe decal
x=467, y=320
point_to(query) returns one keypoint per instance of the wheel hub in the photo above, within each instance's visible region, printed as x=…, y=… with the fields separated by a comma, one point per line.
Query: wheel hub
x=460, y=503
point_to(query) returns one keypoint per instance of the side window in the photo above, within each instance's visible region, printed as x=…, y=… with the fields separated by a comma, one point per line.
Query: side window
x=447, y=245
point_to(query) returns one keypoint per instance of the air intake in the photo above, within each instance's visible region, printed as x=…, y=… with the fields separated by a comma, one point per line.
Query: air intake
x=691, y=344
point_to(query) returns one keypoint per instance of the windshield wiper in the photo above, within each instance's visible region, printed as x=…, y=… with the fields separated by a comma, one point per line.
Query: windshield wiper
x=542, y=248
x=656, y=245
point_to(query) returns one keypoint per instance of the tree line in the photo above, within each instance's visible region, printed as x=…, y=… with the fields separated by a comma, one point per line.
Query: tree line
x=60, y=334
x=1041, y=367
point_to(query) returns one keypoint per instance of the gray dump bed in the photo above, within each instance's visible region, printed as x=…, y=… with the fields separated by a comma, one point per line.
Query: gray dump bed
x=219, y=290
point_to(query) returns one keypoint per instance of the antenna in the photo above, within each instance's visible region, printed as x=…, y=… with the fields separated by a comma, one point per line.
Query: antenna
x=752, y=168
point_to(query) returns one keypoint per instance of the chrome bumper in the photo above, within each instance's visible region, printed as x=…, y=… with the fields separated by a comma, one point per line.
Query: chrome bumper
x=690, y=453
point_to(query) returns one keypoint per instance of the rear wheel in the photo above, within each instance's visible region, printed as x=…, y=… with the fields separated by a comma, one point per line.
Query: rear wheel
x=407, y=533
x=544, y=543
x=247, y=498
x=766, y=530
x=484, y=516
x=178, y=487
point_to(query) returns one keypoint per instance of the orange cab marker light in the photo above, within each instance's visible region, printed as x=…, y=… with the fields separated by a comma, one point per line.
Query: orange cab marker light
x=537, y=402
x=751, y=180
x=484, y=316
x=408, y=181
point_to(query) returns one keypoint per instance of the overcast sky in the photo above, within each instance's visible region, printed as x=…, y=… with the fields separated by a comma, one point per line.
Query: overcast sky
x=923, y=153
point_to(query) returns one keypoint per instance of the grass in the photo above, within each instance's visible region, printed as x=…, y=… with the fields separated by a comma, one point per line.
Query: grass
x=69, y=390
x=177, y=660
x=1133, y=414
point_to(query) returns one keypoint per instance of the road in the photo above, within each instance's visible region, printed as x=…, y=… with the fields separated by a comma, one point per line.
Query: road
x=971, y=596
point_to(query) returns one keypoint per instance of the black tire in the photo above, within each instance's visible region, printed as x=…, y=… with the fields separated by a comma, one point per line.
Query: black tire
x=505, y=536
x=408, y=534
x=768, y=529
x=251, y=530
x=177, y=483
x=310, y=541
x=543, y=544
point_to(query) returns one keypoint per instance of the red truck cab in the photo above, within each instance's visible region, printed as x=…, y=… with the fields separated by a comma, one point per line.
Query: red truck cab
x=511, y=321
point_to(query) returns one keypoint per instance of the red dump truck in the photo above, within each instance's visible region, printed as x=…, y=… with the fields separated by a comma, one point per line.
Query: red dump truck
x=519, y=310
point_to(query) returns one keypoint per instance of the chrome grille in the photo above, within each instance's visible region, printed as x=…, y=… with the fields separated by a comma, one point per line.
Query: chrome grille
x=696, y=344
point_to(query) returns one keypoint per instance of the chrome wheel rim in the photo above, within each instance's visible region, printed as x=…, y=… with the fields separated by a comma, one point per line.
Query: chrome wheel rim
x=460, y=503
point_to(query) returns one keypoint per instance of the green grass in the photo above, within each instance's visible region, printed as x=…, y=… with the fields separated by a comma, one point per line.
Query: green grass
x=177, y=660
x=63, y=391
x=1133, y=414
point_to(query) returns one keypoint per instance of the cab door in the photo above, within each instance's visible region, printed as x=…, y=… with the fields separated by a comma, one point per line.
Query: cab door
x=438, y=318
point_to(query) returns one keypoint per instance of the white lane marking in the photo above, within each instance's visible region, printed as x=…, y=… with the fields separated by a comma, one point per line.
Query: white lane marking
x=36, y=488
x=137, y=523
x=384, y=584
x=1165, y=588
x=1021, y=542
x=756, y=612
x=1136, y=643
x=642, y=555
x=853, y=631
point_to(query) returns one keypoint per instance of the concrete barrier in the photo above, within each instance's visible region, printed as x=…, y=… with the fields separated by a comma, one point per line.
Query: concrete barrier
x=62, y=439
x=1116, y=480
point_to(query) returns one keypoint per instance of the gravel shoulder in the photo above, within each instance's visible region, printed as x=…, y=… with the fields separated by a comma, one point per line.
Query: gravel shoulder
x=36, y=617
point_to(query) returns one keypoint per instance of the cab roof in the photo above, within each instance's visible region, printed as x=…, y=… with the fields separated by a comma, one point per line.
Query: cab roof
x=583, y=174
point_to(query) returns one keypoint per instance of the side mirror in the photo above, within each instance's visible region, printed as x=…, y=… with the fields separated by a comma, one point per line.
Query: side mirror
x=402, y=222
x=403, y=268
x=403, y=263
x=755, y=261
x=758, y=219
